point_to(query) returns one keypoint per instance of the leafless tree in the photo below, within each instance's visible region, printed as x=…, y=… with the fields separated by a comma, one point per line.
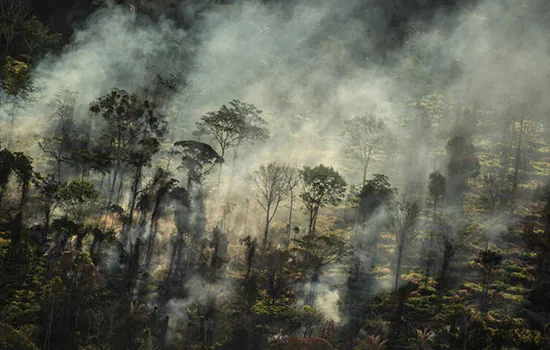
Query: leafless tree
x=365, y=135
x=270, y=185
x=403, y=224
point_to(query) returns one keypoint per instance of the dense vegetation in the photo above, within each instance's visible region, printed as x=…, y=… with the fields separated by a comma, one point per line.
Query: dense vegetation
x=127, y=223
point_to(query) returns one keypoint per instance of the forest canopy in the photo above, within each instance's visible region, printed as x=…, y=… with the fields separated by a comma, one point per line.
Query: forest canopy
x=274, y=174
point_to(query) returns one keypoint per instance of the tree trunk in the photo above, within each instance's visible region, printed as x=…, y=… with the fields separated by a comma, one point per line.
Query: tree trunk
x=113, y=184
x=132, y=203
x=266, y=231
x=366, y=167
x=59, y=170
x=18, y=229
x=313, y=288
x=220, y=173
x=398, y=266
x=311, y=220
x=517, y=161
x=133, y=268
x=79, y=238
x=47, y=218
x=49, y=327
x=314, y=225
x=12, y=124
x=119, y=191
x=152, y=237
x=444, y=267
x=289, y=231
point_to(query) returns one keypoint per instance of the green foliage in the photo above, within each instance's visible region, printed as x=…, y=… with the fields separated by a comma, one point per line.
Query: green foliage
x=321, y=186
x=95, y=294
x=7, y=160
x=36, y=35
x=376, y=193
x=462, y=327
x=436, y=186
x=195, y=156
x=145, y=340
x=319, y=251
x=134, y=127
x=233, y=125
x=489, y=259
x=372, y=343
x=15, y=76
x=78, y=199
x=12, y=339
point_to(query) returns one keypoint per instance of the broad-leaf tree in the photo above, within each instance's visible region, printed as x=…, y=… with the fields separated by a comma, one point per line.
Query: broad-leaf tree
x=233, y=125
x=198, y=159
x=321, y=186
x=317, y=252
x=78, y=198
x=129, y=123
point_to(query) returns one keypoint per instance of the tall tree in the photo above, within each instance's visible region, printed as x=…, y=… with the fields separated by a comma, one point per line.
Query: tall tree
x=47, y=189
x=436, y=189
x=462, y=165
x=129, y=123
x=198, y=158
x=365, y=135
x=152, y=202
x=232, y=126
x=316, y=253
x=375, y=193
x=60, y=142
x=489, y=261
x=78, y=198
x=293, y=178
x=403, y=225
x=321, y=185
x=452, y=234
x=17, y=84
x=270, y=186
x=12, y=16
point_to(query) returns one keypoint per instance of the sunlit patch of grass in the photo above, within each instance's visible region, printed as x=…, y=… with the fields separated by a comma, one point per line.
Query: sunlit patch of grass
x=540, y=168
x=422, y=303
x=4, y=242
x=382, y=270
x=388, y=248
x=471, y=286
x=518, y=289
x=529, y=185
x=413, y=276
x=512, y=297
x=513, y=266
x=489, y=160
